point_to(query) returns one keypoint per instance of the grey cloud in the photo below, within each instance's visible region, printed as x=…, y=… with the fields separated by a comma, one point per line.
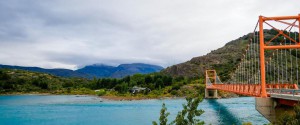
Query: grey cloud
x=70, y=34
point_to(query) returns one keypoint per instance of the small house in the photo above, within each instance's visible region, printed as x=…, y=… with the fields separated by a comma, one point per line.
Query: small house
x=136, y=89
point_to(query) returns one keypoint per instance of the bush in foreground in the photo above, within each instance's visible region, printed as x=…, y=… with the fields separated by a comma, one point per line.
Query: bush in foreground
x=290, y=119
x=185, y=117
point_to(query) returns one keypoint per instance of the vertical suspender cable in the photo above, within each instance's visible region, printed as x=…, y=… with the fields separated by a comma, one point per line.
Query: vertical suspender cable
x=249, y=52
x=240, y=78
x=246, y=73
x=258, y=63
x=271, y=70
x=254, y=57
x=281, y=62
x=242, y=69
x=240, y=72
x=274, y=67
x=297, y=67
x=267, y=66
x=277, y=61
x=291, y=59
x=251, y=60
x=286, y=68
x=246, y=61
x=248, y=68
x=237, y=74
x=258, y=60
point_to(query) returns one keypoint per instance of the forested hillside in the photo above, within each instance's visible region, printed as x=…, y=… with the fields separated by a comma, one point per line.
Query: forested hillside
x=225, y=59
x=21, y=81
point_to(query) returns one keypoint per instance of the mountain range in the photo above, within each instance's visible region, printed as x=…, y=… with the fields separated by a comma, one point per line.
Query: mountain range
x=96, y=70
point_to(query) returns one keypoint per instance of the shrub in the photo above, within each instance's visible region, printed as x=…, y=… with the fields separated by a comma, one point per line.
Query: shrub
x=188, y=115
x=174, y=92
x=101, y=92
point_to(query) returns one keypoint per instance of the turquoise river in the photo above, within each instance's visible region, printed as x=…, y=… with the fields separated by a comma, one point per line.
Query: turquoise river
x=92, y=110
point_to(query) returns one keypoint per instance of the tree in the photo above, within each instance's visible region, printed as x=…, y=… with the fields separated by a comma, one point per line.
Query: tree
x=4, y=76
x=163, y=116
x=159, y=83
x=148, y=79
x=126, y=79
x=287, y=119
x=297, y=115
x=189, y=112
x=179, y=78
x=186, y=116
x=167, y=80
x=121, y=88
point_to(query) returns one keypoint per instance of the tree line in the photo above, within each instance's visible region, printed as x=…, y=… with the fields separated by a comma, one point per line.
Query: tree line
x=25, y=81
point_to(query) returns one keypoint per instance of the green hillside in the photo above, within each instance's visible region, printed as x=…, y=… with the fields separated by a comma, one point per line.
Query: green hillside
x=225, y=59
x=21, y=81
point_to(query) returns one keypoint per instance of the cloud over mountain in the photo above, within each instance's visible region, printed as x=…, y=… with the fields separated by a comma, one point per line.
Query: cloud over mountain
x=70, y=34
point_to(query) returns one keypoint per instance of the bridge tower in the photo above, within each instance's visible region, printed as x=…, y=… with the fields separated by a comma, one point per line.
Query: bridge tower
x=211, y=78
x=271, y=107
x=255, y=76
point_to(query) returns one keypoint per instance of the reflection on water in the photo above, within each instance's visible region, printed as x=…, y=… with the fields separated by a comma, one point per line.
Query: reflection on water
x=225, y=116
x=90, y=110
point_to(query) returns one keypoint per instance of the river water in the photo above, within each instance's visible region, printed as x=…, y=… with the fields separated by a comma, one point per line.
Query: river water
x=90, y=110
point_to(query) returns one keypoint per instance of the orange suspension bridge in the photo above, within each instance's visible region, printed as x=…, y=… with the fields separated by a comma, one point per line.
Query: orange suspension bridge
x=269, y=68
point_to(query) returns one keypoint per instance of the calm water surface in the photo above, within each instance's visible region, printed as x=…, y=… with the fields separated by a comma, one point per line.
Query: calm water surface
x=89, y=110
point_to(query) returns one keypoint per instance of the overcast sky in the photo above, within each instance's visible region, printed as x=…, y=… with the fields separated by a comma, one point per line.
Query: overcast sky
x=73, y=33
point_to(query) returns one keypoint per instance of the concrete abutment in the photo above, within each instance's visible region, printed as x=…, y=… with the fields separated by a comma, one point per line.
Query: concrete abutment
x=211, y=93
x=270, y=108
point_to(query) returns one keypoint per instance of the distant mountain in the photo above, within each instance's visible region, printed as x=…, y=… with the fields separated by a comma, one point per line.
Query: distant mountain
x=126, y=69
x=57, y=72
x=119, y=71
x=96, y=70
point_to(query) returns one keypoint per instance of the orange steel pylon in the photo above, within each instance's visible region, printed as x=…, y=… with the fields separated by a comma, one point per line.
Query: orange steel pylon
x=210, y=74
x=265, y=46
x=260, y=90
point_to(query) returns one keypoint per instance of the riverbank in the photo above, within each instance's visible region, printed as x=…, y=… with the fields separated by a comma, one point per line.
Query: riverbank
x=29, y=93
x=121, y=97
x=131, y=98
x=107, y=97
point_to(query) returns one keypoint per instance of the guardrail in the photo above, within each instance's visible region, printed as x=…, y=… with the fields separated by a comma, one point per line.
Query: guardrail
x=284, y=91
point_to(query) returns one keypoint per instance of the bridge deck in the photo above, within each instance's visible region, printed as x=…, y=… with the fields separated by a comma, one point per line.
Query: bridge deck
x=285, y=96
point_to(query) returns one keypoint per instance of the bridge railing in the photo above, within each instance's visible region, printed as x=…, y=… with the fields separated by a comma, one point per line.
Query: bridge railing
x=284, y=91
